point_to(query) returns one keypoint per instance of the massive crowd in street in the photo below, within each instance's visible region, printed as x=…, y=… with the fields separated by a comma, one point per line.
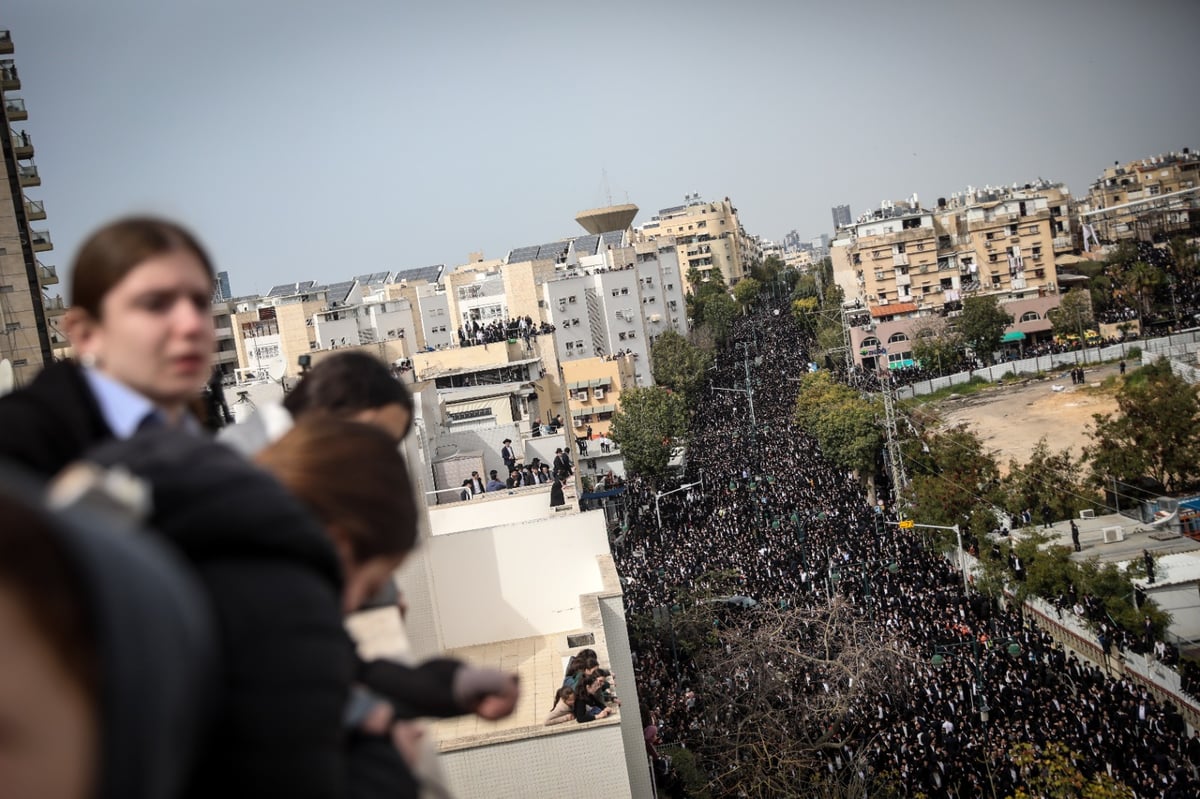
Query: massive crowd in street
x=771, y=509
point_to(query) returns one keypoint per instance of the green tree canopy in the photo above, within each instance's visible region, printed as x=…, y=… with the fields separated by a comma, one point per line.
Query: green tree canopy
x=719, y=312
x=1141, y=280
x=952, y=478
x=1073, y=314
x=746, y=291
x=1048, y=479
x=646, y=426
x=1155, y=433
x=982, y=325
x=679, y=365
x=841, y=420
x=936, y=345
x=1052, y=773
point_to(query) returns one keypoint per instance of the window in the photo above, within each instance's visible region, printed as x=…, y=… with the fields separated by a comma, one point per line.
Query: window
x=632, y=334
x=575, y=322
x=621, y=335
x=571, y=299
x=570, y=346
x=897, y=337
x=616, y=292
x=625, y=290
x=870, y=342
x=1030, y=316
x=578, y=345
x=670, y=287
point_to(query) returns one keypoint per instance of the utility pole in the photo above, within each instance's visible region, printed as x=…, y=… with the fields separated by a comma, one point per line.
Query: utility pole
x=895, y=459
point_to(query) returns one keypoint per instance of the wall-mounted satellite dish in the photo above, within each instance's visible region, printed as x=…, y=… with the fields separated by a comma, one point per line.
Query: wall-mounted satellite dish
x=6, y=377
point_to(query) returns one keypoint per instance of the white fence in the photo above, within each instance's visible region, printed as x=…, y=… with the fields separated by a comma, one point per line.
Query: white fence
x=1180, y=345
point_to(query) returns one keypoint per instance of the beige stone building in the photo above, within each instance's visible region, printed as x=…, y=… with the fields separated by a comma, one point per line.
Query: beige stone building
x=909, y=268
x=28, y=316
x=1147, y=200
x=708, y=236
x=594, y=387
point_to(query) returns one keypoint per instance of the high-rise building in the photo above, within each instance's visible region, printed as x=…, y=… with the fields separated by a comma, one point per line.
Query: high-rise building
x=841, y=216
x=221, y=292
x=27, y=332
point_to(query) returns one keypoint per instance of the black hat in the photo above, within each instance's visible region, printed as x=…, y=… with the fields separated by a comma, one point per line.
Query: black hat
x=507, y=441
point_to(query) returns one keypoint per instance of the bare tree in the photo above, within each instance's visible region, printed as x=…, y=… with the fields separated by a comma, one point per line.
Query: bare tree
x=789, y=697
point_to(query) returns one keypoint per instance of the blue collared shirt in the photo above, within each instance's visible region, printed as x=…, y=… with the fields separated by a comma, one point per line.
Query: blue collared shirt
x=122, y=408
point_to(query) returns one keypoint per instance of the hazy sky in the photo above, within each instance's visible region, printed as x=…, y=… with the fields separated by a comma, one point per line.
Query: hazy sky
x=319, y=140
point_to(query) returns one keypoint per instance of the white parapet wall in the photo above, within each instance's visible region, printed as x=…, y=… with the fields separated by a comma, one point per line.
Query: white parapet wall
x=518, y=580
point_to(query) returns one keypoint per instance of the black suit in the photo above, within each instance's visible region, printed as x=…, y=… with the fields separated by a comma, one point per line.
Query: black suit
x=51, y=422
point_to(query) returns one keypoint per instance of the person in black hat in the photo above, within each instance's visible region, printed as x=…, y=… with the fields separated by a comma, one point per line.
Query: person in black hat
x=508, y=454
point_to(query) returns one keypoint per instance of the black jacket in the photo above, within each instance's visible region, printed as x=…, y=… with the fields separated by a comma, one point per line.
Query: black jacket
x=275, y=582
x=51, y=422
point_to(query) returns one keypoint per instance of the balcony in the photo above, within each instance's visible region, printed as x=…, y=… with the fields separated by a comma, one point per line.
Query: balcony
x=22, y=145
x=1063, y=243
x=9, y=81
x=14, y=109
x=28, y=173
x=6, y=43
x=47, y=275
x=900, y=258
x=35, y=210
x=40, y=240
x=54, y=306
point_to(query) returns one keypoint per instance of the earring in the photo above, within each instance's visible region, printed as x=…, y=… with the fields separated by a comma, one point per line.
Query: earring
x=88, y=360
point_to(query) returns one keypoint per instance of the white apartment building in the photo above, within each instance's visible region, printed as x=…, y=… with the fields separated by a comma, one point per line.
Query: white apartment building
x=617, y=301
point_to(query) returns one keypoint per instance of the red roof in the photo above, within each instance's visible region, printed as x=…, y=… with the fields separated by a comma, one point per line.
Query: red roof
x=892, y=309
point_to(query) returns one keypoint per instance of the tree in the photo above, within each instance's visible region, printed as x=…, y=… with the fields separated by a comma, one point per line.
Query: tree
x=646, y=426
x=702, y=288
x=952, y=478
x=1048, y=480
x=1141, y=279
x=719, y=312
x=746, y=292
x=679, y=365
x=1183, y=259
x=1052, y=773
x=937, y=347
x=1155, y=433
x=841, y=420
x=982, y=325
x=763, y=676
x=1073, y=314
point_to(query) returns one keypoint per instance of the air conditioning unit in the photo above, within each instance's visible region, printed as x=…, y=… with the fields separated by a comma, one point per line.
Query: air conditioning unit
x=1114, y=534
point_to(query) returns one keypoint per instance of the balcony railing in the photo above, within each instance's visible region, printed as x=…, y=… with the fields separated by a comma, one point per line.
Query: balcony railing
x=40, y=239
x=47, y=275
x=14, y=108
x=54, y=305
x=9, y=79
x=28, y=173
x=35, y=210
x=6, y=42
x=22, y=144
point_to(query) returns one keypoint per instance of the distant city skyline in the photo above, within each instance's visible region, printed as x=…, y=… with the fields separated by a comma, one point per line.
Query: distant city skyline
x=306, y=141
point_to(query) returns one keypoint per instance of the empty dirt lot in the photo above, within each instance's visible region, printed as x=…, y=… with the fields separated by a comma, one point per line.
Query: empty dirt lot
x=1011, y=420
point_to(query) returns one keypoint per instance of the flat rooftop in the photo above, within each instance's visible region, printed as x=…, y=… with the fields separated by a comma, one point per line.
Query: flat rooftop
x=1138, y=536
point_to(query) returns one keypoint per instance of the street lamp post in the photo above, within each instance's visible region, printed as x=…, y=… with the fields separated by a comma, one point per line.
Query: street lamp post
x=907, y=524
x=660, y=494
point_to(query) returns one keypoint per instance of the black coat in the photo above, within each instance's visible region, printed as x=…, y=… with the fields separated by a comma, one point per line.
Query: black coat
x=51, y=422
x=275, y=582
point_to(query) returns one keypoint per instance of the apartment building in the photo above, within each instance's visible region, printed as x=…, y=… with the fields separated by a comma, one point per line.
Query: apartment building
x=594, y=387
x=908, y=267
x=1152, y=199
x=708, y=236
x=617, y=301
x=28, y=316
x=423, y=289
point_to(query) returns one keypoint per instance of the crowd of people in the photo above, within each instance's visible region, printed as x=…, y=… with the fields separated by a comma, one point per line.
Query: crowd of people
x=769, y=509
x=172, y=606
x=475, y=333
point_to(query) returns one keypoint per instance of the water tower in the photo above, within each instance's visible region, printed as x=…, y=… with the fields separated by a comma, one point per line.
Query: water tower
x=608, y=219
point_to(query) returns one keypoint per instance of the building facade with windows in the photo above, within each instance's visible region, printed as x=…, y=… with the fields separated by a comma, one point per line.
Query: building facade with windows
x=906, y=270
x=593, y=387
x=1150, y=200
x=708, y=236
x=28, y=315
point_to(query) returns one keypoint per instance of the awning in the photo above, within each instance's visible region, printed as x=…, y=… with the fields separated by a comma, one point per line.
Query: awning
x=1013, y=335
